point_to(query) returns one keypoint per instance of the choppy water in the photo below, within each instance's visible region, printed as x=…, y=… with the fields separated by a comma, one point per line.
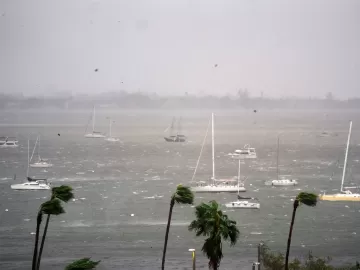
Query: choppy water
x=123, y=189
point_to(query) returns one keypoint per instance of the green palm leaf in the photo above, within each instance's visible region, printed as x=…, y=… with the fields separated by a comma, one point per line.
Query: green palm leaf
x=306, y=198
x=63, y=193
x=183, y=195
x=212, y=223
x=52, y=207
x=82, y=264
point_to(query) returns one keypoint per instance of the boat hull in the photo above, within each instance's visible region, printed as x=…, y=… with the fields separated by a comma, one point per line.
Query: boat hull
x=340, y=197
x=283, y=183
x=243, y=205
x=9, y=146
x=35, y=165
x=218, y=189
x=30, y=187
x=95, y=136
x=112, y=139
x=176, y=139
x=243, y=156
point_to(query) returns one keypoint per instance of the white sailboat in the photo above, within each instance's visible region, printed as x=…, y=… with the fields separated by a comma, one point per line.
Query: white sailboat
x=32, y=183
x=216, y=185
x=110, y=138
x=40, y=163
x=283, y=181
x=242, y=202
x=94, y=134
x=344, y=195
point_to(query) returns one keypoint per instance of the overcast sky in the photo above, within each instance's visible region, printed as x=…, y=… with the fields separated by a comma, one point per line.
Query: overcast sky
x=283, y=48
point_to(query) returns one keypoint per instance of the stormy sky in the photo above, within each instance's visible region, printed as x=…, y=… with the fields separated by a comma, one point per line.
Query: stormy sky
x=281, y=48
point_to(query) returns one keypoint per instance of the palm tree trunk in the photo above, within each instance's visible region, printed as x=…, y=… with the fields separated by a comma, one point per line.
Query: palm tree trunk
x=38, y=222
x=172, y=202
x=296, y=205
x=42, y=242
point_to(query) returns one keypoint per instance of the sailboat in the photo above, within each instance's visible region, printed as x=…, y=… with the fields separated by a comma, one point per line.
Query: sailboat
x=278, y=181
x=216, y=185
x=41, y=163
x=243, y=202
x=94, y=134
x=32, y=183
x=344, y=195
x=110, y=138
x=178, y=137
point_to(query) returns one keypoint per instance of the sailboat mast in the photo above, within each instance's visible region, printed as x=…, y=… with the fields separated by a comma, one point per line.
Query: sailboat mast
x=239, y=177
x=213, y=146
x=346, y=157
x=277, y=158
x=27, y=171
x=179, y=127
x=93, y=127
x=39, y=149
x=172, y=127
x=110, y=126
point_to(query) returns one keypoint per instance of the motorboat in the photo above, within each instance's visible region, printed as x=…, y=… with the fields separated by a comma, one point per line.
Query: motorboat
x=8, y=142
x=243, y=204
x=229, y=186
x=345, y=194
x=283, y=182
x=246, y=152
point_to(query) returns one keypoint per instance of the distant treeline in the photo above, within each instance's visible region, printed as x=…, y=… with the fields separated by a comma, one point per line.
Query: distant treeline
x=125, y=100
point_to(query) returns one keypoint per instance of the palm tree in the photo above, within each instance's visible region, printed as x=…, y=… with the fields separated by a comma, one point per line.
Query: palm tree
x=82, y=264
x=64, y=194
x=211, y=222
x=305, y=198
x=51, y=207
x=182, y=195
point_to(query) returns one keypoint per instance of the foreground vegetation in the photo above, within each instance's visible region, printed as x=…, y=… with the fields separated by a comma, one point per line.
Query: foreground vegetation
x=276, y=261
x=209, y=222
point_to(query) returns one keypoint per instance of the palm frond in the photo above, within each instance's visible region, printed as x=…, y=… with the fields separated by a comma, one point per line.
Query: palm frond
x=212, y=249
x=63, y=193
x=212, y=223
x=82, y=264
x=52, y=207
x=183, y=195
x=309, y=199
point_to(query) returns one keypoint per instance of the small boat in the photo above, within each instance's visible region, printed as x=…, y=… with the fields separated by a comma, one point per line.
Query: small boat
x=284, y=182
x=94, y=134
x=241, y=204
x=214, y=185
x=8, y=142
x=278, y=181
x=344, y=195
x=31, y=183
x=178, y=137
x=40, y=163
x=110, y=138
x=246, y=152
